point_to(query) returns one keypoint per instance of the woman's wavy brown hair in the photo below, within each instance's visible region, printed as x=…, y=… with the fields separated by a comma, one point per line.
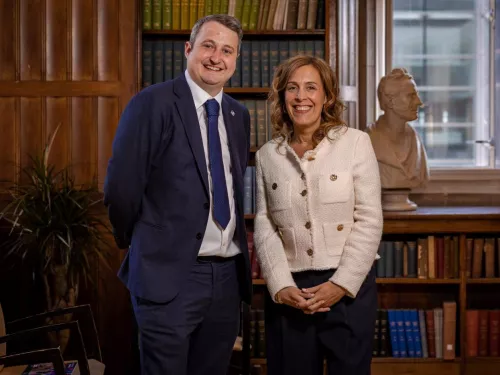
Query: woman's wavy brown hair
x=331, y=115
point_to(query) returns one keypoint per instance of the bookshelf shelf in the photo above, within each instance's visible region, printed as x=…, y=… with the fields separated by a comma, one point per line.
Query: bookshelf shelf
x=250, y=33
x=413, y=360
x=484, y=281
x=379, y=360
x=396, y=281
x=409, y=280
x=249, y=216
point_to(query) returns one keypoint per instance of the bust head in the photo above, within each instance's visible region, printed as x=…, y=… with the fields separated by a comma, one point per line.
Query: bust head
x=400, y=152
x=398, y=96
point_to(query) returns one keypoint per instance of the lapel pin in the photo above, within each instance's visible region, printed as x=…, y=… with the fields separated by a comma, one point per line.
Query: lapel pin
x=232, y=113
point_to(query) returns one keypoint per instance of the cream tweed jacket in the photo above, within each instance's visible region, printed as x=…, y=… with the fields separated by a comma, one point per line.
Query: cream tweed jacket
x=318, y=212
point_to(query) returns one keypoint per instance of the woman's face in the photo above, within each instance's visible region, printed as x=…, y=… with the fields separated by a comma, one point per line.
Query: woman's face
x=304, y=98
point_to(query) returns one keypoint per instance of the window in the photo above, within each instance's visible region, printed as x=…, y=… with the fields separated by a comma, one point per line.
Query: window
x=446, y=46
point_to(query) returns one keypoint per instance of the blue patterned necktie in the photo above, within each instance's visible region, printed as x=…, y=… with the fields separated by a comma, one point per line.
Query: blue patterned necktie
x=220, y=198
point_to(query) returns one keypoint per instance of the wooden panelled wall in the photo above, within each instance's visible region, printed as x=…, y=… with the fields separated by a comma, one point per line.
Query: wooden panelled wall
x=70, y=62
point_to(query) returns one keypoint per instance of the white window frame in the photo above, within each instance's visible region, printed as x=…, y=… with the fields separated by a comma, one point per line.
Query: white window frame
x=442, y=180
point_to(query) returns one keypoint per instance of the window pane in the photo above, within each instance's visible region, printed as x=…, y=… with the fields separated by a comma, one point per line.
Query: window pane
x=497, y=82
x=444, y=44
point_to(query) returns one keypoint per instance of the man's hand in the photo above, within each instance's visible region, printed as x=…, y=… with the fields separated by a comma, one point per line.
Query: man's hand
x=324, y=296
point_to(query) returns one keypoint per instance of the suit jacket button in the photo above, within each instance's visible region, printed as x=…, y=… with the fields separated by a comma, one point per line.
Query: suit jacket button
x=303, y=193
x=308, y=225
x=198, y=236
x=206, y=206
x=333, y=177
x=310, y=252
x=275, y=185
x=340, y=227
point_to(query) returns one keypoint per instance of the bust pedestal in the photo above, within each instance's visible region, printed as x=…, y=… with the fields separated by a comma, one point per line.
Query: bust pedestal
x=397, y=200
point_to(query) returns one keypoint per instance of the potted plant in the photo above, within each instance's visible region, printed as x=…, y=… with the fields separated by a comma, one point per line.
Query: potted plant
x=54, y=226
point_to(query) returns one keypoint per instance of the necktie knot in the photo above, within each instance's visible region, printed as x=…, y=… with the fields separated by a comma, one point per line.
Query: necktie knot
x=212, y=107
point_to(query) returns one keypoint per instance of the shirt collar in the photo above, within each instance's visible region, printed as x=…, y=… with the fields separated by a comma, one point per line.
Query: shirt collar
x=200, y=96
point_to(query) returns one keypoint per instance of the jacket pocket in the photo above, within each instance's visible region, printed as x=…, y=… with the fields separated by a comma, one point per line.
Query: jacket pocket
x=279, y=196
x=335, y=235
x=335, y=187
x=288, y=237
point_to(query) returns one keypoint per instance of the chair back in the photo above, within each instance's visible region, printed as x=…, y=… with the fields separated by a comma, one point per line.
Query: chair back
x=3, y=332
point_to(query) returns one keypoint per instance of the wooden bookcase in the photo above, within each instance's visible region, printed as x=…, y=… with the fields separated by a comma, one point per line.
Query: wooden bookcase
x=478, y=293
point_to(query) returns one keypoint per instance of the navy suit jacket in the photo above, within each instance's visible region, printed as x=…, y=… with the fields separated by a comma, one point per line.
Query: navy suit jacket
x=156, y=188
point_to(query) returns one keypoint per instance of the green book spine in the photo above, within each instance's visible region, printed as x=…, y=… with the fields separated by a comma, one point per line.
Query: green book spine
x=193, y=12
x=167, y=15
x=254, y=14
x=184, y=14
x=156, y=17
x=201, y=8
x=216, y=7
x=146, y=14
x=208, y=7
x=245, y=17
x=176, y=14
x=224, y=6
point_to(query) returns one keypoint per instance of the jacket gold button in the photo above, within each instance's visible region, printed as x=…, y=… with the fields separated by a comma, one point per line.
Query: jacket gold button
x=303, y=193
x=340, y=227
x=275, y=185
x=308, y=225
x=310, y=252
x=333, y=177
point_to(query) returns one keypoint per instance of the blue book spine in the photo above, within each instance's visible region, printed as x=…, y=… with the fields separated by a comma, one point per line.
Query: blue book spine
x=416, y=333
x=393, y=331
x=410, y=344
x=401, y=334
x=247, y=190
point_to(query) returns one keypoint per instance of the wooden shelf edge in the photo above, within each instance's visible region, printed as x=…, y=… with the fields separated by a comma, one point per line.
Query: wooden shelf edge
x=249, y=216
x=383, y=360
x=411, y=280
x=395, y=281
x=414, y=360
x=495, y=280
x=317, y=32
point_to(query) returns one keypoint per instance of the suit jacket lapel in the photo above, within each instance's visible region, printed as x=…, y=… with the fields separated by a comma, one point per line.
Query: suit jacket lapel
x=187, y=112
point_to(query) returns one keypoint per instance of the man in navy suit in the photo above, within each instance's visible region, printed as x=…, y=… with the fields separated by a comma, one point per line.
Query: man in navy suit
x=174, y=192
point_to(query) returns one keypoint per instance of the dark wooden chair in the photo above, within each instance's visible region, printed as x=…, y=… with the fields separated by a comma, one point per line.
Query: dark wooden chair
x=86, y=356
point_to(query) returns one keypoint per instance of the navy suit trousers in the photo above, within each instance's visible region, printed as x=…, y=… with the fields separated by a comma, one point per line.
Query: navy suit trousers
x=194, y=333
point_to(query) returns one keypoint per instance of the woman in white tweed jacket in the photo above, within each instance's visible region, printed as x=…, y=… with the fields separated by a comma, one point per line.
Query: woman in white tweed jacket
x=317, y=228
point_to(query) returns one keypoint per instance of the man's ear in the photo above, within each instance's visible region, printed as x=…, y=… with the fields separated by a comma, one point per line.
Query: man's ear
x=187, y=49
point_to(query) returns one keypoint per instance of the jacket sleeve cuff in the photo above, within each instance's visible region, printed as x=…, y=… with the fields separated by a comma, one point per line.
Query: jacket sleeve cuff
x=348, y=280
x=278, y=281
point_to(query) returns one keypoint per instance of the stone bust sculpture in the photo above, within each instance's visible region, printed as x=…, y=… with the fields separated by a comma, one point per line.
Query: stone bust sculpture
x=400, y=152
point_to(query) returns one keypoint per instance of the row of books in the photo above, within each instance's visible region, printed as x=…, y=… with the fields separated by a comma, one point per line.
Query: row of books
x=253, y=14
x=163, y=60
x=416, y=333
x=482, y=331
x=482, y=257
x=261, y=129
x=431, y=257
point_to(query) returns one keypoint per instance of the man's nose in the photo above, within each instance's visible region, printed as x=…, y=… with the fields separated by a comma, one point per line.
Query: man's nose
x=216, y=55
